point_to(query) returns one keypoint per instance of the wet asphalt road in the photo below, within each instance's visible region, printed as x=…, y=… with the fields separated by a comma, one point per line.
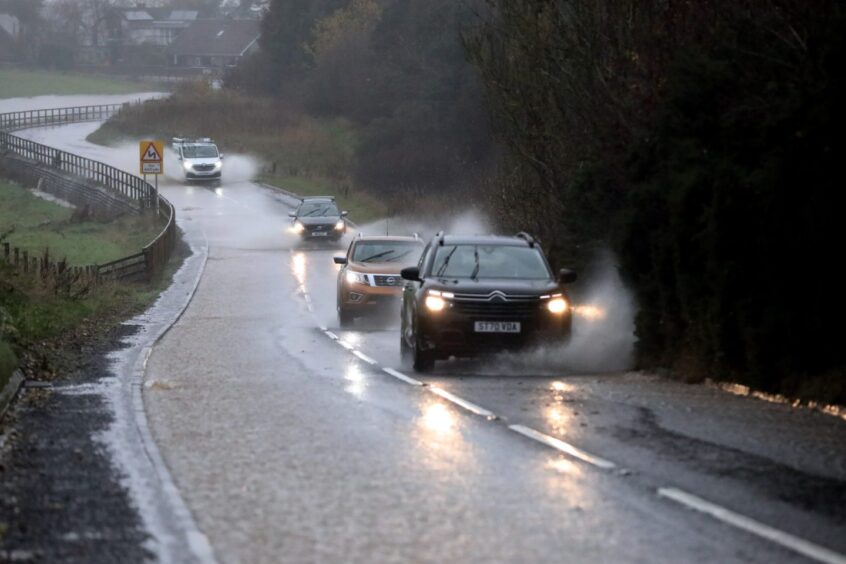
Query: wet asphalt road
x=286, y=446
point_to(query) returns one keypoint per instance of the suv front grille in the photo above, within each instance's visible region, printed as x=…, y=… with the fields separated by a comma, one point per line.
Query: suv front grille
x=495, y=309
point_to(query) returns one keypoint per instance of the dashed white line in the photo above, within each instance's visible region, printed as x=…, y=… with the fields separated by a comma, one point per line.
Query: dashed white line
x=346, y=345
x=331, y=335
x=364, y=357
x=472, y=407
x=786, y=540
x=400, y=376
x=562, y=446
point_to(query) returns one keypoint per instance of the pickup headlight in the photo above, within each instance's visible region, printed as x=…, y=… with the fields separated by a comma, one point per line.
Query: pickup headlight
x=357, y=278
x=557, y=305
x=340, y=225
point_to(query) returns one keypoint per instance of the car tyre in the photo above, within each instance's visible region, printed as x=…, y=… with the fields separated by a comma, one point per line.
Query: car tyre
x=345, y=318
x=421, y=360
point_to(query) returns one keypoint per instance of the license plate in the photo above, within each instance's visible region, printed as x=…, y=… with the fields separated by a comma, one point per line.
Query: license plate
x=319, y=234
x=497, y=327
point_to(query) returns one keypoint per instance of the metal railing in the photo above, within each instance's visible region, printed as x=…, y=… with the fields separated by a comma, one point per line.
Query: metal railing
x=119, y=183
x=56, y=116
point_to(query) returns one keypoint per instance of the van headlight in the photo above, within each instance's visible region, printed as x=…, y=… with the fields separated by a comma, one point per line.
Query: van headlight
x=187, y=166
x=357, y=278
x=218, y=165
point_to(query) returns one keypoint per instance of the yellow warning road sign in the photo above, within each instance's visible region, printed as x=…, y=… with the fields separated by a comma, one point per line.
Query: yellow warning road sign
x=151, y=154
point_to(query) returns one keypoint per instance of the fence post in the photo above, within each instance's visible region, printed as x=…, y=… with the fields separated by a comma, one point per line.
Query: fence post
x=26, y=261
x=6, y=252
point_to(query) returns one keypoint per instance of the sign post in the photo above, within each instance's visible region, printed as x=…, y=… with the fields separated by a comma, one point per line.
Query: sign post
x=151, y=157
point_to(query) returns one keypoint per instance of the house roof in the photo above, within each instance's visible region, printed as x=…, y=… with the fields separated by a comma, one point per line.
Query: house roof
x=159, y=15
x=217, y=38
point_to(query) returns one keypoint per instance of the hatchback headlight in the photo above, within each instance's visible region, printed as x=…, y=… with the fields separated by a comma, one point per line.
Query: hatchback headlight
x=340, y=225
x=298, y=227
x=357, y=278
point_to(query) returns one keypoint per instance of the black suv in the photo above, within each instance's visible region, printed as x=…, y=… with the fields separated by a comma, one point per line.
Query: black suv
x=318, y=217
x=481, y=293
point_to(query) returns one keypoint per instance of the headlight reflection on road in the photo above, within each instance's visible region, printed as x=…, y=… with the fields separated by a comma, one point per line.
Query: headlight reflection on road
x=298, y=265
x=356, y=381
x=218, y=192
x=438, y=419
x=563, y=466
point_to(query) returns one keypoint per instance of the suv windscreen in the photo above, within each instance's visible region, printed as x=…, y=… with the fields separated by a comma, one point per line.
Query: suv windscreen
x=199, y=151
x=404, y=252
x=490, y=261
x=318, y=209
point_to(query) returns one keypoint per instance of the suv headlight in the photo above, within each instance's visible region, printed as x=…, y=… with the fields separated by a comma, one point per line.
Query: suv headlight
x=557, y=305
x=436, y=300
x=357, y=278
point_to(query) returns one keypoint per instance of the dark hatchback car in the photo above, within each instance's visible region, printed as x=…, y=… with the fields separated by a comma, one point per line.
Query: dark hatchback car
x=319, y=218
x=470, y=295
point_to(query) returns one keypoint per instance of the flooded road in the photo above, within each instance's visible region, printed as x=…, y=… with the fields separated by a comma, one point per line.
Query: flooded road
x=291, y=439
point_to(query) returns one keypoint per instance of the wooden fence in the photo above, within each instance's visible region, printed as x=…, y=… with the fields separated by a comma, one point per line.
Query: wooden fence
x=96, y=183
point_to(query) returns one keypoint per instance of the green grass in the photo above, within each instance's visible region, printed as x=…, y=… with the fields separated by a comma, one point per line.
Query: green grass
x=362, y=207
x=34, y=224
x=8, y=363
x=16, y=83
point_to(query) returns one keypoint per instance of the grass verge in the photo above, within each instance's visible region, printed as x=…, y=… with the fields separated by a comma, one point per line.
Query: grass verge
x=35, y=224
x=15, y=83
x=36, y=321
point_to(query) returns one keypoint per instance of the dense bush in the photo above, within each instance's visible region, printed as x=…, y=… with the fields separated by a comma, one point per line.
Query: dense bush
x=700, y=139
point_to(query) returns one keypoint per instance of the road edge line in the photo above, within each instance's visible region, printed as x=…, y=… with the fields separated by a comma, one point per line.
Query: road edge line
x=777, y=536
x=197, y=541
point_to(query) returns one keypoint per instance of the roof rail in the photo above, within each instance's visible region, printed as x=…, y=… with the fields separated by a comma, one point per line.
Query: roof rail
x=416, y=235
x=440, y=237
x=528, y=238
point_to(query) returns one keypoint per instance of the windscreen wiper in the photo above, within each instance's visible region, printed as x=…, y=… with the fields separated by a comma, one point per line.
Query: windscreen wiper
x=377, y=255
x=443, y=267
x=475, y=268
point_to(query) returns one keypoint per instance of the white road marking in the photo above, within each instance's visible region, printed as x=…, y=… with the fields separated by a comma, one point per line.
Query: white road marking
x=331, y=335
x=803, y=547
x=472, y=407
x=346, y=345
x=400, y=376
x=562, y=446
x=364, y=357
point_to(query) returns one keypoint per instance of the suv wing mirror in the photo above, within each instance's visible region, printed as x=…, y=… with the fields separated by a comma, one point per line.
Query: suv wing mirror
x=567, y=276
x=344, y=213
x=340, y=260
x=410, y=273
x=292, y=214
